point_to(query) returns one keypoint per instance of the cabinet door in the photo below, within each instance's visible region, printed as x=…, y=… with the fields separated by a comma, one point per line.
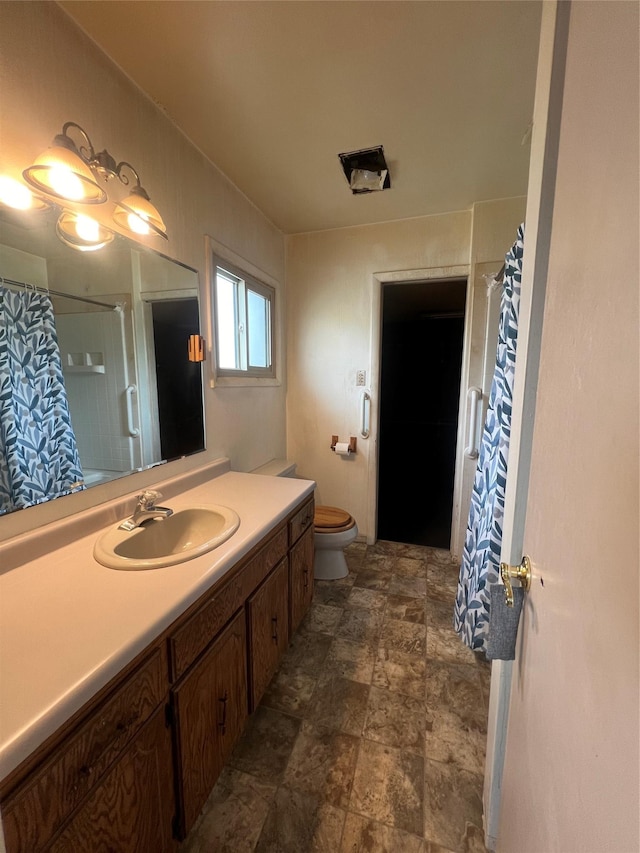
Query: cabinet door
x=132, y=809
x=301, y=577
x=210, y=708
x=268, y=612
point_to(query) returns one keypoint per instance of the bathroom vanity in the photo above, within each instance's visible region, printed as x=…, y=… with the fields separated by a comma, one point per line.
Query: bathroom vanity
x=114, y=735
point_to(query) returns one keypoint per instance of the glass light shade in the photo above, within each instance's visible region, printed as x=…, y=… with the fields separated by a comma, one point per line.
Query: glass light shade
x=368, y=179
x=62, y=173
x=137, y=214
x=14, y=194
x=82, y=232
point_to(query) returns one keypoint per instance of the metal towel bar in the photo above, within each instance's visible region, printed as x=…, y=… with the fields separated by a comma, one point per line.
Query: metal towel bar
x=474, y=395
x=365, y=414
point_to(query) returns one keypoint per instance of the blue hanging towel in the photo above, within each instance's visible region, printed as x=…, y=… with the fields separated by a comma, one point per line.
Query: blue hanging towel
x=481, y=556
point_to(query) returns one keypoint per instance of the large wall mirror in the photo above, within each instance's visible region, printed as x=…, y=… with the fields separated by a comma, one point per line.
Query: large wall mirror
x=129, y=396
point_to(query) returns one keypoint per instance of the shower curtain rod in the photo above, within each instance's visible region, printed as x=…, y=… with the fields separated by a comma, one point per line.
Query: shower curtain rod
x=11, y=283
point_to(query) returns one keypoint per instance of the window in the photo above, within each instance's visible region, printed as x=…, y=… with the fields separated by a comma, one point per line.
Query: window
x=243, y=323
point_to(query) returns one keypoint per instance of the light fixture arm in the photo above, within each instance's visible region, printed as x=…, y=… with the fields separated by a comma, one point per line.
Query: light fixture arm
x=70, y=170
x=102, y=162
x=138, y=189
x=87, y=153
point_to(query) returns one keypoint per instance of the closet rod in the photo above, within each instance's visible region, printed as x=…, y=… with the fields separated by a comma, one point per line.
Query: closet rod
x=11, y=283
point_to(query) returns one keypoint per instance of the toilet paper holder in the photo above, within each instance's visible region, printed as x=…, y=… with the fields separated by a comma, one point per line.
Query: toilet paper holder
x=353, y=441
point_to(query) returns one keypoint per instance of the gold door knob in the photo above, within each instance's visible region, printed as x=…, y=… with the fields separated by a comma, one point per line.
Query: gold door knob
x=521, y=573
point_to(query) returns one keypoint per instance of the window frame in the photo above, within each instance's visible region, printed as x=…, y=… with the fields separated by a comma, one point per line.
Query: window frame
x=238, y=270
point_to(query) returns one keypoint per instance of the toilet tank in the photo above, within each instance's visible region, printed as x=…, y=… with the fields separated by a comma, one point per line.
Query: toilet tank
x=277, y=468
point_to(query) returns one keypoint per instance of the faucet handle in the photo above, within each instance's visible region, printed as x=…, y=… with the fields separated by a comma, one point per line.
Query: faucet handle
x=148, y=498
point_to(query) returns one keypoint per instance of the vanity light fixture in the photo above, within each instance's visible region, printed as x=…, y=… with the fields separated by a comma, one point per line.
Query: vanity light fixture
x=14, y=194
x=82, y=232
x=63, y=170
x=74, y=172
x=137, y=213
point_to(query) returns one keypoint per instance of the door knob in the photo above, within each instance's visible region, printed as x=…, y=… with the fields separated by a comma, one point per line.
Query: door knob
x=521, y=573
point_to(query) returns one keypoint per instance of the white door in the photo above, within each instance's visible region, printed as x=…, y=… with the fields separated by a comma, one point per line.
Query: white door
x=571, y=767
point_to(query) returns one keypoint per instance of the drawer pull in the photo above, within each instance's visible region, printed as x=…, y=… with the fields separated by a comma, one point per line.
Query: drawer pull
x=121, y=728
x=305, y=574
x=83, y=776
x=125, y=725
x=274, y=636
x=223, y=724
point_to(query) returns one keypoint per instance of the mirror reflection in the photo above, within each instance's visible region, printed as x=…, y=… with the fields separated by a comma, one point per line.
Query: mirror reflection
x=95, y=376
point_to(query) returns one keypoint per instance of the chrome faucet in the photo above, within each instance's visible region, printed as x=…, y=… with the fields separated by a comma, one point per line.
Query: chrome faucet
x=146, y=509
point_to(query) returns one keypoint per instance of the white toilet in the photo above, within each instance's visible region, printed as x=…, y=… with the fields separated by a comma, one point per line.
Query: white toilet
x=334, y=528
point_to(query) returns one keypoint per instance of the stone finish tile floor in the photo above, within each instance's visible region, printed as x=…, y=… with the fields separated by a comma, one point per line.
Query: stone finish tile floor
x=371, y=734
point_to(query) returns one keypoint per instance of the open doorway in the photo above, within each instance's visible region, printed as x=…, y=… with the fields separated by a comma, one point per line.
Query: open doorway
x=179, y=381
x=420, y=370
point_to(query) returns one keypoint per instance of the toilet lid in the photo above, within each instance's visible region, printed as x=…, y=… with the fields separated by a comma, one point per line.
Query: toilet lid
x=331, y=517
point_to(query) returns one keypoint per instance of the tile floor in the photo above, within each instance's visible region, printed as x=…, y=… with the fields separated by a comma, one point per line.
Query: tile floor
x=371, y=735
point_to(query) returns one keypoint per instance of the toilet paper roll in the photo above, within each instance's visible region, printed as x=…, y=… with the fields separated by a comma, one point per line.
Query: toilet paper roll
x=342, y=448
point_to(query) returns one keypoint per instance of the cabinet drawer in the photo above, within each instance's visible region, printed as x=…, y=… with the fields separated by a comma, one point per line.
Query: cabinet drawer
x=301, y=521
x=193, y=637
x=142, y=820
x=40, y=805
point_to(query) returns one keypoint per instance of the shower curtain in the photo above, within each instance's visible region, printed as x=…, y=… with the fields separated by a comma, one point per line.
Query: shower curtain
x=38, y=453
x=481, y=555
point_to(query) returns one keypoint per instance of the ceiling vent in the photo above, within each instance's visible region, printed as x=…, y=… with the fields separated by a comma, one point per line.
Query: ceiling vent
x=366, y=170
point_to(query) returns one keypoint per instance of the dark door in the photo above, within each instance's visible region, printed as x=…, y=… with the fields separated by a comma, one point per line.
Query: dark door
x=421, y=362
x=179, y=381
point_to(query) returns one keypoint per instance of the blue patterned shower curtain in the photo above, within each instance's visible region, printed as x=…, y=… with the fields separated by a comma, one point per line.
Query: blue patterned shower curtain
x=481, y=556
x=38, y=453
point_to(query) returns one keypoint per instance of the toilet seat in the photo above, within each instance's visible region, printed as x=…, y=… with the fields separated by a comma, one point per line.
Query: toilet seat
x=332, y=519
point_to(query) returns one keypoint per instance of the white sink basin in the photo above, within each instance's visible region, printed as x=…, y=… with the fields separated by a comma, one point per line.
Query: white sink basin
x=166, y=541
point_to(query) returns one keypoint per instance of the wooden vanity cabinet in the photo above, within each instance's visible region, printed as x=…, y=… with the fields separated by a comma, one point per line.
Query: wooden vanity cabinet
x=132, y=769
x=106, y=782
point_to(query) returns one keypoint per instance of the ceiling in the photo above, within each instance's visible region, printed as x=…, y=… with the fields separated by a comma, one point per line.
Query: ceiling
x=272, y=92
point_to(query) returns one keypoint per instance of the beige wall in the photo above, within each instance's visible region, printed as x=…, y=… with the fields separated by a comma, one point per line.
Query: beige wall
x=331, y=331
x=51, y=73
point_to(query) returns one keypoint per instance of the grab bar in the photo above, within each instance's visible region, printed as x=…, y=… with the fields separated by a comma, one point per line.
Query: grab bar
x=129, y=392
x=365, y=414
x=474, y=395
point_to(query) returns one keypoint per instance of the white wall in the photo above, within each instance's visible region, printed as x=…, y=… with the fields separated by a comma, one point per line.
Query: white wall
x=50, y=73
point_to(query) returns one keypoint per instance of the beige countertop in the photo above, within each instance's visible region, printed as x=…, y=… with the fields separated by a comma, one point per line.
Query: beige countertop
x=68, y=624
